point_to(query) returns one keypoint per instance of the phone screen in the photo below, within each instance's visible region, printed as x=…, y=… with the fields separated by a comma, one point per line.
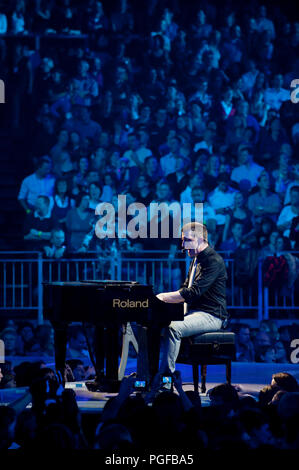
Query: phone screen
x=167, y=379
x=140, y=384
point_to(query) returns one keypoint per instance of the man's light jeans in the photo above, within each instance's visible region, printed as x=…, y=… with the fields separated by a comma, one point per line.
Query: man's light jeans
x=194, y=323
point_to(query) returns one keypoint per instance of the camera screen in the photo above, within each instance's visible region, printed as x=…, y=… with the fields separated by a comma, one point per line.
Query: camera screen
x=140, y=384
x=167, y=379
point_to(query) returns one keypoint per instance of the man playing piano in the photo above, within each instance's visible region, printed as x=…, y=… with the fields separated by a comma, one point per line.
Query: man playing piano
x=203, y=294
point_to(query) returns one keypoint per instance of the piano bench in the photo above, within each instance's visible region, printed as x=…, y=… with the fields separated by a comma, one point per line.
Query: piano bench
x=212, y=348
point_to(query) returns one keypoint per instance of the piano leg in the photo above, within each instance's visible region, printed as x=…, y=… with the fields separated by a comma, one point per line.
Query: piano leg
x=128, y=337
x=60, y=342
x=99, y=344
x=143, y=372
x=154, y=340
x=112, y=353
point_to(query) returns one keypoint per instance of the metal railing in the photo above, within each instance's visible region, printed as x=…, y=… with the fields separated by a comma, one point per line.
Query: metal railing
x=22, y=275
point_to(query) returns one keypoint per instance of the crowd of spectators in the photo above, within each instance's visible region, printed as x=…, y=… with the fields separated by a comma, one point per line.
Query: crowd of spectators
x=204, y=112
x=153, y=421
x=268, y=342
x=204, y=116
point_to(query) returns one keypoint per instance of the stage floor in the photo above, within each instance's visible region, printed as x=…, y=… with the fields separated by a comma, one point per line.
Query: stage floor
x=250, y=378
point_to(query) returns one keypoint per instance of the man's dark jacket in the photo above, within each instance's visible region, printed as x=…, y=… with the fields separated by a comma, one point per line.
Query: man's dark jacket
x=208, y=290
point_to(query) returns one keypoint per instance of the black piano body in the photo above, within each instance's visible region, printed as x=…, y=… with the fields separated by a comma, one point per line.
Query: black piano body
x=107, y=305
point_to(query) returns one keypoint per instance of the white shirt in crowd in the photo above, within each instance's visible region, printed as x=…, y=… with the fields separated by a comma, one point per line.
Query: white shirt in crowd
x=250, y=172
x=287, y=214
x=168, y=164
x=275, y=98
x=220, y=200
x=142, y=153
x=32, y=187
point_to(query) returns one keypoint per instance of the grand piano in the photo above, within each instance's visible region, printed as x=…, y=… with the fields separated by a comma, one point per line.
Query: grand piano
x=110, y=306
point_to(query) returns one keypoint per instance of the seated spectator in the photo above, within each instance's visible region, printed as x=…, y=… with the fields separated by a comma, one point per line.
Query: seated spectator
x=294, y=233
x=26, y=338
x=235, y=241
x=60, y=146
x=78, y=369
x=289, y=212
x=38, y=226
x=259, y=110
x=247, y=168
x=178, y=180
x=84, y=125
x=211, y=172
x=261, y=339
x=62, y=202
x=207, y=142
x=159, y=129
x=99, y=160
x=137, y=152
x=152, y=169
x=270, y=248
x=244, y=346
x=221, y=199
x=194, y=180
x=45, y=341
x=94, y=195
x=209, y=215
x=280, y=352
x=65, y=168
x=262, y=232
x=247, y=120
x=86, y=84
x=196, y=122
x=143, y=192
x=239, y=213
x=276, y=95
x=74, y=147
x=39, y=183
x=76, y=347
x=56, y=249
x=265, y=354
x=272, y=137
x=168, y=161
x=225, y=108
x=125, y=174
x=80, y=178
x=10, y=337
x=78, y=221
x=294, y=182
x=281, y=174
x=120, y=134
x=264, y=203
x=235, y=134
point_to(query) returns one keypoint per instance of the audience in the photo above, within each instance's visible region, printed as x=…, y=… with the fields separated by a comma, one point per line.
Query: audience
x=155, y=97
x=175, y=418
